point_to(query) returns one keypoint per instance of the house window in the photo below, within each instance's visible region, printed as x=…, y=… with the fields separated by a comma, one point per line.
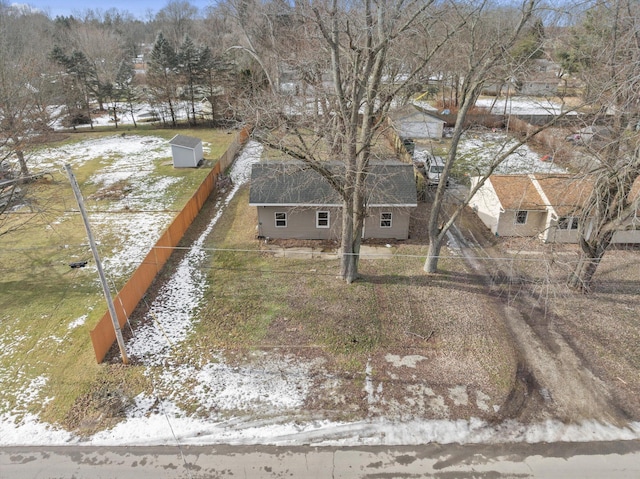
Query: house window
x=521, y=217
x=385, y=220
x=322, y=219
x=567, y=223
x=563, y=223
x=281, y=220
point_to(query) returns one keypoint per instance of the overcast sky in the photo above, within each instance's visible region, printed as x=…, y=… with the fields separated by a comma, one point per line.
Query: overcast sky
x=138, y=8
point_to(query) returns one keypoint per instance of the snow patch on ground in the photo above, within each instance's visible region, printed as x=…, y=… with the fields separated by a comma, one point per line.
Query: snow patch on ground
x=407, y=361
x=273, y=385
x=136, y=234
x=138, y=150
x=480, y=150
x=522, y=106
x=78, y=321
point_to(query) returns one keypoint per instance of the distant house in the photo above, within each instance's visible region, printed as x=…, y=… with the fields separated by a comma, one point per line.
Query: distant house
x=547, y=206
x=540, y=79
x=186, y=151
x=539, y=87
x=415, y=123
x=295, y=202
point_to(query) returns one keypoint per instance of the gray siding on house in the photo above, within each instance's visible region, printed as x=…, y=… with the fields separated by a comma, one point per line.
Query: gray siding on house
x=412, y=122
x=399, y=225
x=301, y=223
x=421, y=129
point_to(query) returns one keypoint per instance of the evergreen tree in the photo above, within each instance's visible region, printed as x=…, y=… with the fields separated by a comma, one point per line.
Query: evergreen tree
x=162, y=75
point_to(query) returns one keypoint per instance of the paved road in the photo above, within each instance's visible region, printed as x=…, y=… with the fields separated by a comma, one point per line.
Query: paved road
x=610, y=460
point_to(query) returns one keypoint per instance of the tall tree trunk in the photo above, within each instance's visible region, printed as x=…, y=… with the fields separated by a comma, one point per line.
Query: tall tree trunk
x=433, y=254
x=24, y=169
x=592, y=252
x=172, y=113
x=437, y=230
x=581, y=278
x=350, y=244
x=193, y=103
x=133, y=115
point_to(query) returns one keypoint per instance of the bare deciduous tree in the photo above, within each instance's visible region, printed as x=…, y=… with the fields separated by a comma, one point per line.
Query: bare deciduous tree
x=486, y=43
x=347, y=72
x=606, y=46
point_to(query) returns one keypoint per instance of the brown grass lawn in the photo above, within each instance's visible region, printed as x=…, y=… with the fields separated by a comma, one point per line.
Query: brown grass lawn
x=447, y=324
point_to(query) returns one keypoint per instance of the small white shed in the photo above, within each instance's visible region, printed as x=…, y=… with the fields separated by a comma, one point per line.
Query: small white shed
x=186, y=151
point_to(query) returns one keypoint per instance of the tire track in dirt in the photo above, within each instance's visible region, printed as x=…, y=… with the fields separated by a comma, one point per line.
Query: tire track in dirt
x=552, y=381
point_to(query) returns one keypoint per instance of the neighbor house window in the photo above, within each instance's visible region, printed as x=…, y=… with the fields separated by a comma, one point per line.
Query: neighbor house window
x=281, y=220
x=322, y=219
x=567, y=223
x=521, y=217
x=385, y=220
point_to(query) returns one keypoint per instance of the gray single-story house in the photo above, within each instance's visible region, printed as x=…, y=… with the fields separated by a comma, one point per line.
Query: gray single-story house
x=186, y=151
x=294, y=201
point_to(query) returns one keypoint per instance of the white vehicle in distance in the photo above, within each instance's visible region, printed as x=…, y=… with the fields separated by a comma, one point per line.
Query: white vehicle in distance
x=431, y=167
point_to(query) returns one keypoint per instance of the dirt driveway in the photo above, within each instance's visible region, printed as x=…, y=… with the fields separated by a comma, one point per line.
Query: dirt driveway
x=578, y=354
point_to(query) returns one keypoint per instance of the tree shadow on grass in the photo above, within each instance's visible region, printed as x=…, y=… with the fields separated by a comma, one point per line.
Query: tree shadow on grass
x=470, y=283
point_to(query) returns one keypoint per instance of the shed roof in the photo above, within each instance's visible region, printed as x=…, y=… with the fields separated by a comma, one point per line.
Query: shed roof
x=185, y=141
x=517, y=192
x=293, y=183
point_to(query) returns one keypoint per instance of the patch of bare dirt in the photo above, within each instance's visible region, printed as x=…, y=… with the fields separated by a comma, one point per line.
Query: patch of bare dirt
x=116, y=191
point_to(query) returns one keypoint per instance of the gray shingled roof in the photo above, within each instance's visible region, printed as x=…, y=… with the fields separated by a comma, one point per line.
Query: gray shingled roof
x=293, y=183
x=185, y=141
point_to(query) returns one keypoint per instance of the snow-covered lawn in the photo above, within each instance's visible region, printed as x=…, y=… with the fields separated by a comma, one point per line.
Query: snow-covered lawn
x=521, y=106
x=129, y=159
x=479, y=150
x=260, y=402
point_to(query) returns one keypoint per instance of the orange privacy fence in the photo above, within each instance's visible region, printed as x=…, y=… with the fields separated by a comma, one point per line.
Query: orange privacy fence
x=103, y=335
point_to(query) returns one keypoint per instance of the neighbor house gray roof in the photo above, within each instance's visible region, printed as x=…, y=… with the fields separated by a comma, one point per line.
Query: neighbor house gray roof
x=185, y=141
x=293, y=183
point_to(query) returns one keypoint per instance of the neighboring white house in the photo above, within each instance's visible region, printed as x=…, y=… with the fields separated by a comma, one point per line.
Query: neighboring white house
x=295, y=202
x=186, y=151
x=414, y=123
x=547, y=206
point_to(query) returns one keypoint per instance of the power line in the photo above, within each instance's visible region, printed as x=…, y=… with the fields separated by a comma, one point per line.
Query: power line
x=541, y=257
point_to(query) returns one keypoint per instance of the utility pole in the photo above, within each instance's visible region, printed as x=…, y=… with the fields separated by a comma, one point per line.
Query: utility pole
x=96, y=257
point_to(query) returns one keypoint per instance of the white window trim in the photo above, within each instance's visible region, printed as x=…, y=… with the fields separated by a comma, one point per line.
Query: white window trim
x=285, y=219
x=390, y=220
x=328, y=219
x=526, y=217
